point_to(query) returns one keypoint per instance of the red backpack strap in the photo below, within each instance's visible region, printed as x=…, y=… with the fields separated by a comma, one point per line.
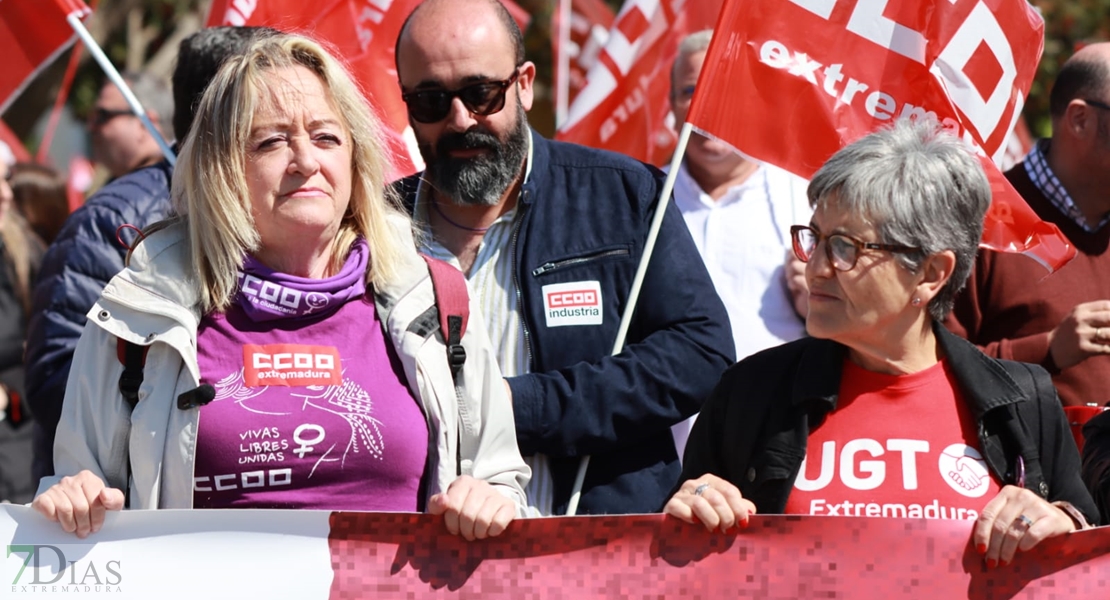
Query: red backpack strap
x=453, y=305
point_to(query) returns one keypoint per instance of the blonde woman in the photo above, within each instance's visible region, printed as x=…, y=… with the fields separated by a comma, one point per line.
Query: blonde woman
x=20, y=256
x=290, y=285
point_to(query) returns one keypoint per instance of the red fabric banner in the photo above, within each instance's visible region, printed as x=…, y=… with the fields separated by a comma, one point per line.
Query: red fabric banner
x=652, y=556
x=363, y=34
x=792, y=81
x=32, y=33
x=588, y=25
x=625, y=104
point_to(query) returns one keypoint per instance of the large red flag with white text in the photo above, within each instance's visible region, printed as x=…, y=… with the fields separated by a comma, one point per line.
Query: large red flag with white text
x=32, y=33
x=363, y=33
x=625, y=104
x=586, y=31
x=790, y=82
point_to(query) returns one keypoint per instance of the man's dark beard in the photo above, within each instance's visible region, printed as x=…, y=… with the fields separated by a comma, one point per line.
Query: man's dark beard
x=480, y=180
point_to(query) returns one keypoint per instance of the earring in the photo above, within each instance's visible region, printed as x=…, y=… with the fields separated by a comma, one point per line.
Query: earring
x=916, y=302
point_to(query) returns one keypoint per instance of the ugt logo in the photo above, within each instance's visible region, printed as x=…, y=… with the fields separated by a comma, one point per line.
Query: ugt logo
x=107, y=576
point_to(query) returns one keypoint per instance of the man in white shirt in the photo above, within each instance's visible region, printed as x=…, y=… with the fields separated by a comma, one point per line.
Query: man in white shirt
x=739, y=213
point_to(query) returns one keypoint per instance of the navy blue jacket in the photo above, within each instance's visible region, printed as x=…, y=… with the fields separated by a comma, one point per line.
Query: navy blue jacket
x=584, y=216
x=79, y=263
x=754, y=429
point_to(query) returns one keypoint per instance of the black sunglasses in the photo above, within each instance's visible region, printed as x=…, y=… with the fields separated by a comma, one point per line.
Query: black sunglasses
x=100, y=116
x=484, y=98
x=1097, y=104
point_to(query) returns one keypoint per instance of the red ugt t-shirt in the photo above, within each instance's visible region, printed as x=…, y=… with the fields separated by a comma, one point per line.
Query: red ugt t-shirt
x=902, y=446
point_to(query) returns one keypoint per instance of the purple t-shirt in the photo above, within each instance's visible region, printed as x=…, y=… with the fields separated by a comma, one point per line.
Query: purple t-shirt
x=311, y=409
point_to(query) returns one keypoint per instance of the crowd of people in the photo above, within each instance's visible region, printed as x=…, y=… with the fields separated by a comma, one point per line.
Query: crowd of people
x=289, y=329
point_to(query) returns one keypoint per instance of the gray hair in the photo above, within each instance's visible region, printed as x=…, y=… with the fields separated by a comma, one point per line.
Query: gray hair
x=695, y=42
x=919, y=186
x=155, y=95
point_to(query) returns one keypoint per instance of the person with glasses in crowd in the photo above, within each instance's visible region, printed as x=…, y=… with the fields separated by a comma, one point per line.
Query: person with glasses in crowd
x=883, y=412
x=120, y=141
x=549, y=235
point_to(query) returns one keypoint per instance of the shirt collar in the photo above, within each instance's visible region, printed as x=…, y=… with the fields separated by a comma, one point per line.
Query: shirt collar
x=1036, y=165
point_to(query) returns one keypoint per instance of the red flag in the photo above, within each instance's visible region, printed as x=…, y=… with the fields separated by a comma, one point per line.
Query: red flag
x=793, y=81
x=521, y=16
x=361, y=33
x=625, y=105
x=588, y=31
x=32, y=33
x=11, y=148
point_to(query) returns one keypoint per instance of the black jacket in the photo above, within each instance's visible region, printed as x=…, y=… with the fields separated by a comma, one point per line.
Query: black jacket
x=79, y=263
x=754, y=427
x=584, y=216
x=1096, y=461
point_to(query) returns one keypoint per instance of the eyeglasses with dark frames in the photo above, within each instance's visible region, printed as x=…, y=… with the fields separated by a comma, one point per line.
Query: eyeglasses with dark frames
x=841, y=250
x=1097, y=104
x=101, y=116
x=483, y=99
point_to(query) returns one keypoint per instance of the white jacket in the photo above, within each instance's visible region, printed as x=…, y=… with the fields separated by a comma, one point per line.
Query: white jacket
x=154, y=303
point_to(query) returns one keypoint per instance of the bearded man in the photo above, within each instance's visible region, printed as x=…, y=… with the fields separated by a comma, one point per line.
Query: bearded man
x=549, y=236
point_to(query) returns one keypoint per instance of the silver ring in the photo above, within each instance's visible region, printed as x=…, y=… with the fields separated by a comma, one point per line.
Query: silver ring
x=1024, y=521
x=700, y=489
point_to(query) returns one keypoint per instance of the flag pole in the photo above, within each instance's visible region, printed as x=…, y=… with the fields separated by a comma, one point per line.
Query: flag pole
x=637, y=284
x=562, y=90
x=94, y=49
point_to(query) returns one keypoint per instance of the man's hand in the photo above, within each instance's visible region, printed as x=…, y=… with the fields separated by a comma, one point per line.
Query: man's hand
x=473, y=509
x=1085, y=332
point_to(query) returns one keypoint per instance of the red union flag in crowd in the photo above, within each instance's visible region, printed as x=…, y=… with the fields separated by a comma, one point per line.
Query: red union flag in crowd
x=32, y=33
x=792, y=81
x=362, y=33
x=625, y=105
x=586, y=34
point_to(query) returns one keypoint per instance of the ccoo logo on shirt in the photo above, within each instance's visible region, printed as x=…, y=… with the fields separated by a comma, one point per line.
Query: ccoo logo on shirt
x=291, y=365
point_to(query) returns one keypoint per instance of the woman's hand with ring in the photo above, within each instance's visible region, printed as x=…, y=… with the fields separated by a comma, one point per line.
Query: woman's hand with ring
x=1016, y=519
x=712, y=501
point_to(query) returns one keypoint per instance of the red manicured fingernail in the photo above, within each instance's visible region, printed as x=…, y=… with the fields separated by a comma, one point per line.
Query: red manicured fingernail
x=991, y=563
x=744, y=524
x=982, y=548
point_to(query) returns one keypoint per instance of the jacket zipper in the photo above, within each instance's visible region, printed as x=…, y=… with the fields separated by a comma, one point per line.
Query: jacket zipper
x=551, y=266
x=516, y=284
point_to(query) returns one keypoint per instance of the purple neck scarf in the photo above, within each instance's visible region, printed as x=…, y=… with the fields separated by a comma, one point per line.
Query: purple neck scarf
x=266, y=295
